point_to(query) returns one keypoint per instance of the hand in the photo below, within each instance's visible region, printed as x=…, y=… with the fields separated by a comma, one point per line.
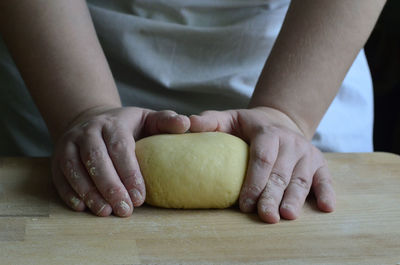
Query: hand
x=283, y=164
x=94, y=164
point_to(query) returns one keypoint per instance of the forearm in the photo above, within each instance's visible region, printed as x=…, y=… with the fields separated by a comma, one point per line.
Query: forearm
x=317, y=44
x=56, y=49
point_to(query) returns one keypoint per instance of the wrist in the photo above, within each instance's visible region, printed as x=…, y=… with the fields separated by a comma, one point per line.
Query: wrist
x=81, y=116
x=284, y=119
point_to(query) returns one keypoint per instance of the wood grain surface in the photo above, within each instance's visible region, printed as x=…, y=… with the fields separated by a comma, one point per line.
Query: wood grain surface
x=36, y=228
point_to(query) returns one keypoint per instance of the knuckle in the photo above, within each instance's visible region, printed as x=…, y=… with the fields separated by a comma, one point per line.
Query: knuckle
x=112, y=192
x=112, y=125
x=262, y=157
x=317, y=156
x=264, y=130
x=299, y=144
x=267, y=199
x=87, y=132
x=132, y=177
x=94, y=154
x=68, y=167
x=253, y=190
x=117, y=146
x=301, y=182
x=89, y=194
x=323, y=181
x=279, y=179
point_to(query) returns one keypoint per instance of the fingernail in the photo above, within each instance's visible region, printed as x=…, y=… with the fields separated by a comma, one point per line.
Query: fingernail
x=92, y=171
x=138, y=181
x=101, y=209
x=265, y=210
x=329, y=204
x=73, y=174
x=122, y=208
x=90, y=203
x=287, y=207
x=75, y=201
x=195, y=116
x=136, y=196
x=325, y=200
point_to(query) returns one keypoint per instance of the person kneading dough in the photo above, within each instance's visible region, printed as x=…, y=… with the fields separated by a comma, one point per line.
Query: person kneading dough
x=193, y=170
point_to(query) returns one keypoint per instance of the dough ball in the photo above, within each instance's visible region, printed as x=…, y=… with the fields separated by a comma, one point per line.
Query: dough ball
x=192, y=170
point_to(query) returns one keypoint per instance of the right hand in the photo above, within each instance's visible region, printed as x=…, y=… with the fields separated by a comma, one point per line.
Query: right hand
x=94, y=164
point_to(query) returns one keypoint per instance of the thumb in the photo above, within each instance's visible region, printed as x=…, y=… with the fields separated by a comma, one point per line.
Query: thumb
x=211, y=121
x=166, y=121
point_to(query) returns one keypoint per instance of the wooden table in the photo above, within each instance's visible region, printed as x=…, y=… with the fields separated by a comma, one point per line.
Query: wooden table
x=36, y=228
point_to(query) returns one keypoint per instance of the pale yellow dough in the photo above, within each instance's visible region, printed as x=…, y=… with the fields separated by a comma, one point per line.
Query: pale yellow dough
x=192, y=170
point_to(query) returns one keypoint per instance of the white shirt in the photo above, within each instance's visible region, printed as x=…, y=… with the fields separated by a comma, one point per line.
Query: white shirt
x=192, y=55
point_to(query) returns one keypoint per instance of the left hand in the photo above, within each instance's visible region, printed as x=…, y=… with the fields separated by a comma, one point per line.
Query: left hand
x=283, y=164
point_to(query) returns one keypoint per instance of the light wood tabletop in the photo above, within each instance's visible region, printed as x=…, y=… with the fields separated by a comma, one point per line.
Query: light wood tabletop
x=36, y=227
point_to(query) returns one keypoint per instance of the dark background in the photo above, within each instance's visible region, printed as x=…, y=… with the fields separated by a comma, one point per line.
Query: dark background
x=383, y=54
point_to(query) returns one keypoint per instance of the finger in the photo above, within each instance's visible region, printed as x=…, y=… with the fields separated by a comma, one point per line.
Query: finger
x=278, y=180
x=323, y=189
x=67, y=194
x=212, y=121
x=166, y=121
x=121, y=148
x=98, y=164
x=81, y=183
x=298, y=189
x=263, y=153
